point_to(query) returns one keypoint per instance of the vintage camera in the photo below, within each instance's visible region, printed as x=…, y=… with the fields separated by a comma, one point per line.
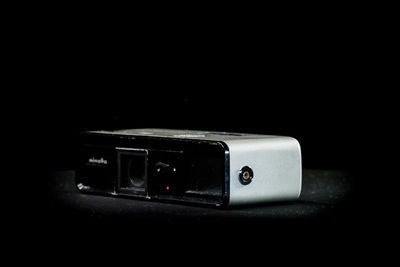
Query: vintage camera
x=213, y=168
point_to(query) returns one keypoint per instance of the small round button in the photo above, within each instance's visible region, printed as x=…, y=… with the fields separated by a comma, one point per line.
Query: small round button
x=246, y=175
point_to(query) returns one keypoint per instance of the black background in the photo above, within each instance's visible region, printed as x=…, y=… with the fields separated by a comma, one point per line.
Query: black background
x=307, y=78
x=303, y=81
x=304, y=75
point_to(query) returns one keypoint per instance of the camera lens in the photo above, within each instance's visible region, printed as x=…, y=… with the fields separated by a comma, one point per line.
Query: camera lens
x=133, y=173
x=136, y=173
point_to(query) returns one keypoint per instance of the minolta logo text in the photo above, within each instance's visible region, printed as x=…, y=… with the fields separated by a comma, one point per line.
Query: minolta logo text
x=98, y=161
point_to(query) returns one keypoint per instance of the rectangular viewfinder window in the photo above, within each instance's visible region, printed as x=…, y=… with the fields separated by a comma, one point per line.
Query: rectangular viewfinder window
x=132, y=170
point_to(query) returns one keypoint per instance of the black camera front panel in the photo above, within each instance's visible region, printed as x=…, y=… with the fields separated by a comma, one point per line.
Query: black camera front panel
x=193, y=171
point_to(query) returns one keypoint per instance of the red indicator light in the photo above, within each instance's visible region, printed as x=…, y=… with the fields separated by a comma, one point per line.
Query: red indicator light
x=167, y=188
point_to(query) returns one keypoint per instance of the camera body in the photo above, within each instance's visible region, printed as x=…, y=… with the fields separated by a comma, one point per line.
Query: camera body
x=211, y=168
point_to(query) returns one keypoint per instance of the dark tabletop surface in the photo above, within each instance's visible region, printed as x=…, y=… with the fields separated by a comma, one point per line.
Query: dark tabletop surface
x=324, y=193
x=326, y=214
